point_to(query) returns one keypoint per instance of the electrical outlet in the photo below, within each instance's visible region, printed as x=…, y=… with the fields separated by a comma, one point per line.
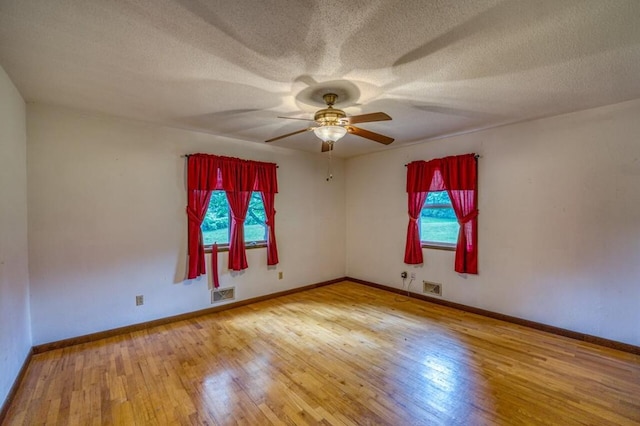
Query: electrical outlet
x=280, y=275
x=403, y=274
x=413, y=275
x=139, y=300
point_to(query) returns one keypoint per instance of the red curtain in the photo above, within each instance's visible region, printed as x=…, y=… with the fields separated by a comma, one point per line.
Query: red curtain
x=197, y=204
x=460, y=179
x=238, y=178
x=268, y=188
x=419, y=177
x=242, y=177
x=214, y=265
x=457, y=175
x=268, y=199
x=413, y=247
x=238, y=204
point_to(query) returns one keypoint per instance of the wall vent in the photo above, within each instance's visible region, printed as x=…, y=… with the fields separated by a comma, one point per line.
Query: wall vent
x=432, y=288
x=220, y=294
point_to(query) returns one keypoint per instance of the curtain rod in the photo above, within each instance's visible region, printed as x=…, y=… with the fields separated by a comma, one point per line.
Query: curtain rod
x=189, y=155
x=476, y=156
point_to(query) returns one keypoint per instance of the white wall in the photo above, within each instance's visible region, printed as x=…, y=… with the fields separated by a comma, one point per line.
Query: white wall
x=15, y=327
x=559, y=224
x=107, y=201
x=559, y=221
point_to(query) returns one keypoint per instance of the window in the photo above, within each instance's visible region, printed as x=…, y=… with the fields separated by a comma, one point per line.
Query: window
x=216, y=224
x=438, y=223
x=209, y=173
x=458, y=176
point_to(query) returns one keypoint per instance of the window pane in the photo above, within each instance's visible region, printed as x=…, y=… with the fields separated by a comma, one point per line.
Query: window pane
x=439, y=197
x=439, y=229
x=255, y=228
x=215, y=226
x=438, y=224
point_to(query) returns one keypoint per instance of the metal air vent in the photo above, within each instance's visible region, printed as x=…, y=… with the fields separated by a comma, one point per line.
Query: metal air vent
x=220, y=294
x=432, y=288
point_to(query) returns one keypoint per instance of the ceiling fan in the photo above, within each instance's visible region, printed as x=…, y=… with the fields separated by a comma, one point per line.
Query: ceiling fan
x=333, y=124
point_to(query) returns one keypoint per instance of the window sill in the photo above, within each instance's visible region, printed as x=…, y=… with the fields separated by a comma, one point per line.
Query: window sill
x=439, y=246
x=225, y=247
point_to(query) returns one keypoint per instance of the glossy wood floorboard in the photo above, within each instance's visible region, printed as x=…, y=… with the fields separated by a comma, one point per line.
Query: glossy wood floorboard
x=344, y=354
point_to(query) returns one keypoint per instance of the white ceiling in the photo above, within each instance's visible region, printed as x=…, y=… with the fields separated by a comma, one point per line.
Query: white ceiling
x=231, y=67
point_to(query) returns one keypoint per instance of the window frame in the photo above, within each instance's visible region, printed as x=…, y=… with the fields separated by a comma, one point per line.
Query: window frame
x=222, y=247
x=436, y=245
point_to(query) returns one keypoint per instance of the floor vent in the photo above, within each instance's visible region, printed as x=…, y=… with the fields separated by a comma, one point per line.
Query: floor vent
x=432, y=288
x=220, y=294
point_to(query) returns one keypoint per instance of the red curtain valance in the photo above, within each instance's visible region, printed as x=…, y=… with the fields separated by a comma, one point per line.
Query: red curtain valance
x=428, y=176
x=458, y=176
x=212, y=172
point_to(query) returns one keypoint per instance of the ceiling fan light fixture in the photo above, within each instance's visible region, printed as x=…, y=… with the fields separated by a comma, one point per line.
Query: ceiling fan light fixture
x=333, y=124
x=330, y=133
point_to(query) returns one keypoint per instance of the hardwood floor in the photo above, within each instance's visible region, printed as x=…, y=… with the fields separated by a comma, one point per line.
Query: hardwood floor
x=344, y=354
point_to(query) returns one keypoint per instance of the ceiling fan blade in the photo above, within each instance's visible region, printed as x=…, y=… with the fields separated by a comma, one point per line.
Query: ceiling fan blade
x=289, y=134
x=370, y=135
x=367, y=118
x=296, y=118
x=327, y=146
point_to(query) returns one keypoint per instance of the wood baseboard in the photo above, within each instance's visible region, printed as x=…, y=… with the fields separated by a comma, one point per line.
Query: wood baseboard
x=161, y=321
x=515, y=320
x=14, y=388
x=625, y=347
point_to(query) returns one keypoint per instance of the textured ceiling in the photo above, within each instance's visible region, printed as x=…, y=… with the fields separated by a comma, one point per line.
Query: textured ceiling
x=231, y=67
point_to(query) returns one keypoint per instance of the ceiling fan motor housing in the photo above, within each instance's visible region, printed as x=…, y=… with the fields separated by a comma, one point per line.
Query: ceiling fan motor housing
x=330, y=117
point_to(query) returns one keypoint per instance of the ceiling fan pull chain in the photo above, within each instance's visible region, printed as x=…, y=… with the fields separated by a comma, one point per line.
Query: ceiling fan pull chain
x=329, y=170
